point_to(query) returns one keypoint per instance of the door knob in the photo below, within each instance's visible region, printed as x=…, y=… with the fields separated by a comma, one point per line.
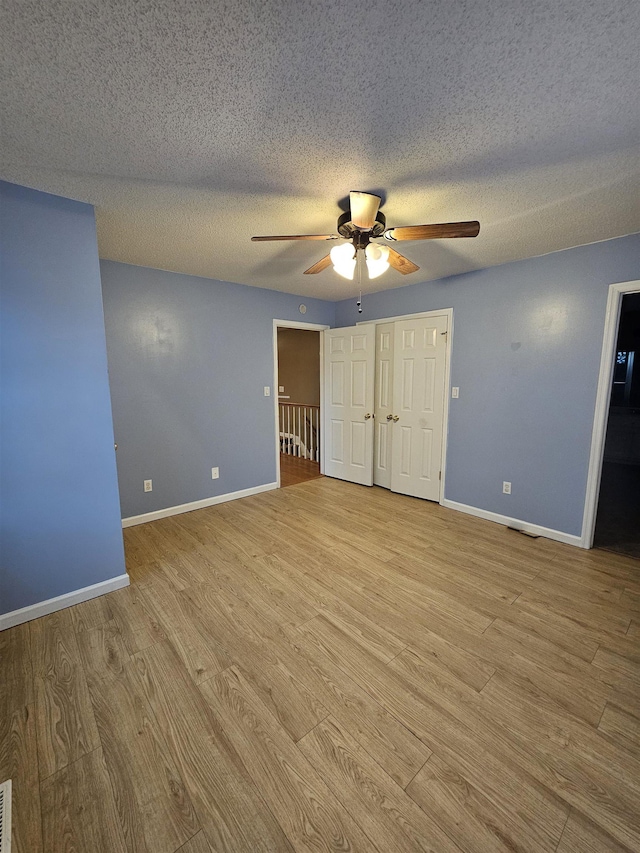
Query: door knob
x=367, y=416
x=389, y=417
x=396, y=418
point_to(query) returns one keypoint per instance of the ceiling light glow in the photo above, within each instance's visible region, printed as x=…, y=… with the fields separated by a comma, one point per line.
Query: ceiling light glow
x=343, y=258
x=377, y=258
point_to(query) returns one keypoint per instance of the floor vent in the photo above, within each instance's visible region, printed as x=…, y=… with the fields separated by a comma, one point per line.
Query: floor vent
x=5, y=817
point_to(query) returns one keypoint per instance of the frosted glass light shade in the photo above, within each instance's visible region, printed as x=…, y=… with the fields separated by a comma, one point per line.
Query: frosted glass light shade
x=343, y=258
x=377, y=258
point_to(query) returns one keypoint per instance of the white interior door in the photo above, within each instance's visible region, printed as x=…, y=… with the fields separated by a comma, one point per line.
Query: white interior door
x=349, y=361
x=418, y=402
x=383, y=426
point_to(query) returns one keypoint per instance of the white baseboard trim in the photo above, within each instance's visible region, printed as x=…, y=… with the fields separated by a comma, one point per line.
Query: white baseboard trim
x=176, y=510
x=547, y=532
x=43, y=608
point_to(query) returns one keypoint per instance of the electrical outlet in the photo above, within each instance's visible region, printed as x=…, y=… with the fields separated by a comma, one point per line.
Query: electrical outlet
x=455, y=393
x=280, y=389
x=267, y=391
x=148, y=485
x=215, y=473
x=506, y=488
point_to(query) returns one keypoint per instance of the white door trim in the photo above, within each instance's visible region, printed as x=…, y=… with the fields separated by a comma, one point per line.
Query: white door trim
x=314, y=327
x=448, y=312
x=611, y=323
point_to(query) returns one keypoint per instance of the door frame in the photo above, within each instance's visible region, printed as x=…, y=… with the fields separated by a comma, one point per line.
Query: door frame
x=601, y=414
x=313, y=327
x=448, y=312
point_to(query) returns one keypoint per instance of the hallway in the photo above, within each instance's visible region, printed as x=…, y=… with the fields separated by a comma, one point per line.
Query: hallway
x=294, y=470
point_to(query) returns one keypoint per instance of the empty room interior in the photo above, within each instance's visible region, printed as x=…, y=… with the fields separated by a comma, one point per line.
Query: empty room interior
x=320, y=427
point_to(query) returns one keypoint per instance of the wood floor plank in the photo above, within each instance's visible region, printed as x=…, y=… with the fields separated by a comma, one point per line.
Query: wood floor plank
x=583, y=836
x=243, y=632
x=396, y=749
x=91, y=614
x=464, y=664
x=78, y=809
x=137, y=627
x=19, y=762
x=560, y=760
x=243, y=575
x=572, y=759
x=232, y=812
x=571, y=683
x=366, y=631
x=65, y=725
x=574, y=562
x=474, y=821
x=630, y=599
x=311, y=816
x=624, y=670
x=200, y=656
x=471, y=749
x=553, y=628
x=601, y=619
x=481, y=592
x=153, y=806
x=387, y=813
x=402, y=620
x=16, y=674
x=622, y=727
x=197, y=844
x=299, y=691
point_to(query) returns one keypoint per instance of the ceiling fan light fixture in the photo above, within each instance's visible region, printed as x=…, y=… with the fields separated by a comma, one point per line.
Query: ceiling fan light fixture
x=377, y=258
x=343, y=258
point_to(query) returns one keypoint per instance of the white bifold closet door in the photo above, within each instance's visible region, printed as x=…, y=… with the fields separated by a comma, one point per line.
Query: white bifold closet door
x=419, y=356
x=384, y=404
x=349, y=363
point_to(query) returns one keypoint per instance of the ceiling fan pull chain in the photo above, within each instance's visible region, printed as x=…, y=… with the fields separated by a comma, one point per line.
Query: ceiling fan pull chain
x=359, y=265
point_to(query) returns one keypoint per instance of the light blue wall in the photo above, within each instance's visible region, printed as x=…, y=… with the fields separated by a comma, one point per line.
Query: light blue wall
x=60, y=528
x=188, y=360
x=526, y=355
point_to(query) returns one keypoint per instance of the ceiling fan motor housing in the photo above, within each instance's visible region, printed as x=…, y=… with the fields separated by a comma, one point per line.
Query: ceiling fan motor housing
x=347, y=229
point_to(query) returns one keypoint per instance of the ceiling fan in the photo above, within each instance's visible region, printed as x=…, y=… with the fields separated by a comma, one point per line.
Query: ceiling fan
x=360, y=226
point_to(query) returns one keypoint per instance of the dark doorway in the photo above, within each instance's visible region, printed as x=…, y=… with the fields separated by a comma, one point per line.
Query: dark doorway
x=618, y=518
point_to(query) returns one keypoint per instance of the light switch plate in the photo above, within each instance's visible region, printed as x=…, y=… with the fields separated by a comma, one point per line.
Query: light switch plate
x=267, y=391
x=455, y=392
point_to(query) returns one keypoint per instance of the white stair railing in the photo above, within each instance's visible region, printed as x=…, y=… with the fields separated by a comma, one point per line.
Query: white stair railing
x=300, y=430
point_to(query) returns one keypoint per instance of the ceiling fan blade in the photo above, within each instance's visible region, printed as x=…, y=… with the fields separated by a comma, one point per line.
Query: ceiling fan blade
x=297, y=237
x=400, y=263
x=364, y=208
x=322, y=264
x=434, y=232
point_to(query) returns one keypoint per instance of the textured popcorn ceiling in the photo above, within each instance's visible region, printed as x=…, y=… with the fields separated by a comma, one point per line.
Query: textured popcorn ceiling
x=193, y=125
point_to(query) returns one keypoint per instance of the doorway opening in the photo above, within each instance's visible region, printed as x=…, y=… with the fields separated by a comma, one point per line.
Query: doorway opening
x=618, y=515
x=298, y=359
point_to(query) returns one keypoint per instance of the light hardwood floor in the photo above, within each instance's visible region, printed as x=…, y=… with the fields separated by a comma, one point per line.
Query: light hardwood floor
x=330, y=667
x=294, y=470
